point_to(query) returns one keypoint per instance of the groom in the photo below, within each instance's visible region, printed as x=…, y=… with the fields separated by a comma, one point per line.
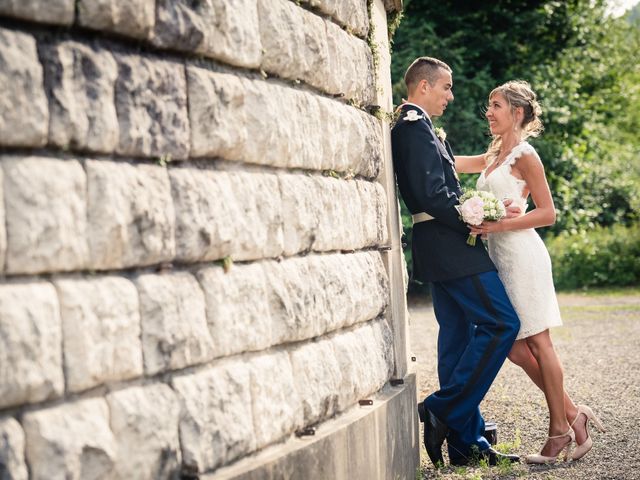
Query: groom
x=477, y=322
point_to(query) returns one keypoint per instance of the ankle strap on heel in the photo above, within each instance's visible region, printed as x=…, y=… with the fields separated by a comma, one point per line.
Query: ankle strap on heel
x=569, y=433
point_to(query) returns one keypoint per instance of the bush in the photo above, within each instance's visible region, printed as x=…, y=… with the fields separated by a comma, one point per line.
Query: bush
x=597, y=257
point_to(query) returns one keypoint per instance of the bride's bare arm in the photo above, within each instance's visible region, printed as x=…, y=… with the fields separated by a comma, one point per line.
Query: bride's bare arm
x=532, y=172
x=469, y=163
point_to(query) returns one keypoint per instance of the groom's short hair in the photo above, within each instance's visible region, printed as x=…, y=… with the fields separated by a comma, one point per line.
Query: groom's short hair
x=424, y=68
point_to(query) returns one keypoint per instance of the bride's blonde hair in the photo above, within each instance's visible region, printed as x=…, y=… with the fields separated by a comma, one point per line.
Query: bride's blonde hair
x=518, y=93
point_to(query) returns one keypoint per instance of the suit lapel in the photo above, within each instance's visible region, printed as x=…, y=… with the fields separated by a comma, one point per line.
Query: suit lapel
x=443, y=150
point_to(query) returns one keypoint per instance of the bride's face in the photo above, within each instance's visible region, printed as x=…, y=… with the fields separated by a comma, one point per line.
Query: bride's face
x=499, y=115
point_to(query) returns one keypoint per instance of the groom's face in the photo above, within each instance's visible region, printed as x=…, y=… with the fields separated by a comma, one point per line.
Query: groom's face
x=439, y=94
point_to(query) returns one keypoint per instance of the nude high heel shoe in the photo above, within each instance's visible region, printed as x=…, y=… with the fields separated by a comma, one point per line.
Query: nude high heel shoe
x=581, y=450
x=540, y=459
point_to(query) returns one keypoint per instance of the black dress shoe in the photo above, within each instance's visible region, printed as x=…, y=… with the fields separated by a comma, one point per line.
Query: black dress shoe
x=491, y=456
x=490, y=428
x=494, y=457
x=434, y=434
x=491, y=433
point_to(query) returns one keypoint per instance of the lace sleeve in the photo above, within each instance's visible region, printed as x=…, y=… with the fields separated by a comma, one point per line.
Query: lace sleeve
x=518, y=151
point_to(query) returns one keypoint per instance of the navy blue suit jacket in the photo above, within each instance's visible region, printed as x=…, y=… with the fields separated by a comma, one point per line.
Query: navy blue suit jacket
x=425, y=172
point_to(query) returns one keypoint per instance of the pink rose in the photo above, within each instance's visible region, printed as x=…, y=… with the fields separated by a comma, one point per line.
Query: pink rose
x=472, y=211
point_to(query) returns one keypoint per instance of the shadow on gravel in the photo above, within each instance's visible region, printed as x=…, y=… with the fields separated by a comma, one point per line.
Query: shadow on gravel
x=599, y=347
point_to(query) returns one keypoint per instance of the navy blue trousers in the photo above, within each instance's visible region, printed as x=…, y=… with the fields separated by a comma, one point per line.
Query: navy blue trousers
x=478, y=326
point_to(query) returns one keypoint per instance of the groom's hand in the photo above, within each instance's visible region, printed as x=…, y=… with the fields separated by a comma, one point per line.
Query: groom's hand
x=512, y=210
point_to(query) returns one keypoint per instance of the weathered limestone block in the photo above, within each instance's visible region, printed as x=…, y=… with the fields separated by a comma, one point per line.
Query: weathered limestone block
x=350, y=64
x=12, y=464
x=318, y=379
x=220, y=29
x=343, y=144
x=281, y=414
x=216, y=420
x=130, y=214
x=284, y=119
x=31, y=357
x=309, y=296
x=365, y=359
x=151, y=102
x=262, y=122
x=217, y=113
x=101, y=328
x=24, y=115
x=313, y=295
x=296, y=300
x=206, y=212
x=3, y=230
x=355, y=287
x=340, y=221
x=319, y=52
x=352, y=14
x=45, y=206
x=351, y=139
x=324, y=213
x=72, y=441
x=253, y=121
x=383, y=341
x=80, y=83
x=258, y=197
x=301, y=211
x=371, y=284
x=220, y=214
x=174, y=326
x=237, y=308
x=58, y=12
x=133, y=18
x=144, y=421
x=364, y=142
x=294, y=43
x=373, y=200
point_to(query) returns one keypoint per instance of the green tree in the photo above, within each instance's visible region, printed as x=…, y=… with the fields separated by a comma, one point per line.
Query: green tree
x=583, y=66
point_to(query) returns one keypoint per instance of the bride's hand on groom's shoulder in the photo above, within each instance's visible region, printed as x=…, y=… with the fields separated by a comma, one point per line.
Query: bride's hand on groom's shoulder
x=512, y=210
x=404, y=100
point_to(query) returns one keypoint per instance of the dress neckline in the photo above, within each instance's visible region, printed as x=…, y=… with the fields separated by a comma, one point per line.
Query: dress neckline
x=505, y=161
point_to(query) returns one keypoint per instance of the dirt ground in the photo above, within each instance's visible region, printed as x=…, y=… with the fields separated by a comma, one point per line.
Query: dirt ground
x=599, y=346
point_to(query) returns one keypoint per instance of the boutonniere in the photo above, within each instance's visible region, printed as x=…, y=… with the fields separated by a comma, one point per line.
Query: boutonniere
x=441, y=134
x=412, y=116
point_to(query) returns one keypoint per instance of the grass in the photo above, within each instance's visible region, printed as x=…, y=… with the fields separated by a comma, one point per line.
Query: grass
x=605, y=291
x=480, y=471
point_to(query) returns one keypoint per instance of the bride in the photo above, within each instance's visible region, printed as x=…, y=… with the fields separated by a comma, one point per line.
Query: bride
x=511, y=169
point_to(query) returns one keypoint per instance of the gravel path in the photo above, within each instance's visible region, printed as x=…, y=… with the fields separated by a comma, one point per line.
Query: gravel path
x=599, y=347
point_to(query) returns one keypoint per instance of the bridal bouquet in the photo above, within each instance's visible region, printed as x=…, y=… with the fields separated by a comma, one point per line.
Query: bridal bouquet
x=476, y=206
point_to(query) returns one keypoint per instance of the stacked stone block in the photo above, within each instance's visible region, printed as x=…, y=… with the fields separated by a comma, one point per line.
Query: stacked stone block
x=190, y=231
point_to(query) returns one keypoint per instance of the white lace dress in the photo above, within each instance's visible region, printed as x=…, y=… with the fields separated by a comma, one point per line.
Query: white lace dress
x=521, y=257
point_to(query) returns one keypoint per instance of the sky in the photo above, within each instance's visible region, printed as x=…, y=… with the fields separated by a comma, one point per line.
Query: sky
x=618, y=7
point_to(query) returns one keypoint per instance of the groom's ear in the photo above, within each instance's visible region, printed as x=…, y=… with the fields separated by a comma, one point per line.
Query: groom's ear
x=424, y=86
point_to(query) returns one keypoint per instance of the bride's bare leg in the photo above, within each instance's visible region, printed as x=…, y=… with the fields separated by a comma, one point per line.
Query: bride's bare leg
x=552, y=386
x=522, y=356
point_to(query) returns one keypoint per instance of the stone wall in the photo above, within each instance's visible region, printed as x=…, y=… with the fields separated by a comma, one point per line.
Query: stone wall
x=195, y=232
